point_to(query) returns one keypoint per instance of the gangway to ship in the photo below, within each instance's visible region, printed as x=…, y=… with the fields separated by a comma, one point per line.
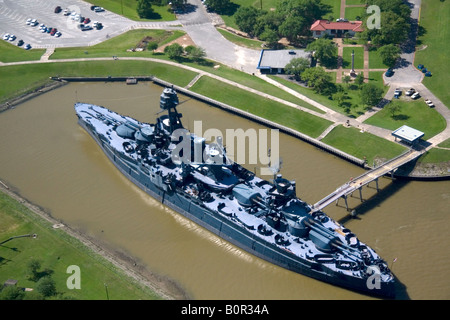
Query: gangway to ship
x=372, y=175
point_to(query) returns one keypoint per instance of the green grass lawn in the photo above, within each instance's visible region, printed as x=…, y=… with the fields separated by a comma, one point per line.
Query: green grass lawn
x=335, y=7
x=127, y=8
x=435, y=21
x=347, y=57
x=415, y=114
x=375, y=61
x=119, y=45
x=352, y=12
x=362, y=145
x=11, y=53
x=56, y=251
x=13, y=81
x=262, y=107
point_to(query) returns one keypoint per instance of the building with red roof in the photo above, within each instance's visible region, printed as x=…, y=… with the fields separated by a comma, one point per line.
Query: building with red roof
x=335, y=29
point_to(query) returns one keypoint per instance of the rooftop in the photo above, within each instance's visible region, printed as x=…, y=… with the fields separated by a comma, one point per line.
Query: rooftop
x=280, y=58
x=407, y=134
x=322, y=25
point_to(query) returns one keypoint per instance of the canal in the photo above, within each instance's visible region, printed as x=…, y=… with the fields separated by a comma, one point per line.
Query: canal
x=51, y=161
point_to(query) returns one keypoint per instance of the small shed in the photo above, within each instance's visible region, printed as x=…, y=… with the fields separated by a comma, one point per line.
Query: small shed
x=10, y=283
x=408, y=134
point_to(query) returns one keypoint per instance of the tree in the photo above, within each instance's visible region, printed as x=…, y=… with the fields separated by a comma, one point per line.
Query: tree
x=245, y=18
x=389, y=53
x=371, y=94
x=318, y=79
x=33, y=266
x=144, y=9
x=292, y=28
x=11, y=293
x=270, y=37
x=219, y=6
x=152, y=46
x=393, y=107
x=296, y=67
x=325, y=51
x=46, y=286
x=195, y=53
x=359, y=80
x=174, y=51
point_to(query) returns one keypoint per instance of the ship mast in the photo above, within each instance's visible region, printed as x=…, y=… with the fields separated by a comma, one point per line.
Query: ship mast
x=169, y=101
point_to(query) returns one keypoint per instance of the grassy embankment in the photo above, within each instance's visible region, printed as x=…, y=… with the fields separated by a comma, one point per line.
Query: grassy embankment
x=56, y=251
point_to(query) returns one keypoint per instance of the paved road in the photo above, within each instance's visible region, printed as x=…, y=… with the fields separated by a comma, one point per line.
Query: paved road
x=200, y=25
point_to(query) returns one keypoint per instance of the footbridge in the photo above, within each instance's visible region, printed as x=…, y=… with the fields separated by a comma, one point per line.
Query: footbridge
x=357, y=183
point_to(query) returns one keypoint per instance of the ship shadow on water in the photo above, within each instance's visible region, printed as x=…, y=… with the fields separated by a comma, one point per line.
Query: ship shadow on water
x=369, y=204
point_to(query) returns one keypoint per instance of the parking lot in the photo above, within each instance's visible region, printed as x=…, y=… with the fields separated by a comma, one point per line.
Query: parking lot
x=14, y=15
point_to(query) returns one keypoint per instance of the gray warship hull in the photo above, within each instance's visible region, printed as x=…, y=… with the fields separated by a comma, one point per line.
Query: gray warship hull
x=244, y=236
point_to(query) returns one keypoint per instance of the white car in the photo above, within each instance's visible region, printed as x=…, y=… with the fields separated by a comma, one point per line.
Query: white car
x=415, y=95
x=58, y=34
x=99, y=9
x=27, y=46
x=12, y=37
x=429, y=103
x=410, y=92
x=28, y=21
x=6, y=37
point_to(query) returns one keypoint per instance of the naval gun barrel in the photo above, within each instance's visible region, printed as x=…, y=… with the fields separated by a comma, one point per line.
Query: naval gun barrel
x=336, y=243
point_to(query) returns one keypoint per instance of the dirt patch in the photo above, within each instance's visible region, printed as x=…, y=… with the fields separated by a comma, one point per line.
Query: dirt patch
x=184, y=41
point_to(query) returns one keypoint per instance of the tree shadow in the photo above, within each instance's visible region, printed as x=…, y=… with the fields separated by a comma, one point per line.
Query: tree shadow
x=400, y=117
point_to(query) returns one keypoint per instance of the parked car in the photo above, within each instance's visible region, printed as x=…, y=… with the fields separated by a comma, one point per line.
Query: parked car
x=429, y=103
x=54, y=30
x=58, y=34
x=66, y=12
x=389, y=72
x=6, y=37
x=58, y=9
x=397, y=92
x=29, y=21
x=415, y=95
x=19, y=43
x=97, y=25
x=34, y=23
x=27, y=46
x=410, y=92
x=86, y=20
x=99, y=9
x=12, y=37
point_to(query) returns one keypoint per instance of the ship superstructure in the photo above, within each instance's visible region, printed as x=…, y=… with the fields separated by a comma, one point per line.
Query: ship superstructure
x=265, y=218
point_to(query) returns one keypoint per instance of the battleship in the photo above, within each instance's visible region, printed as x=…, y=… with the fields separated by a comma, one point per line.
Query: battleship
x=263, y=217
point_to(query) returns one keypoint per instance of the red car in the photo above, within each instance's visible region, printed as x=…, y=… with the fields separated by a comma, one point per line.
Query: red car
x=54, y=30
x=86, y=21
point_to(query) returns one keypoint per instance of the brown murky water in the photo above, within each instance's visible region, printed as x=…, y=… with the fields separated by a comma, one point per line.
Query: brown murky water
x=54, y=163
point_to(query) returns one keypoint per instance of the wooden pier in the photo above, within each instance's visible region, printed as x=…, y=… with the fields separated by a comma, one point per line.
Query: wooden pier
x=357, y=183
